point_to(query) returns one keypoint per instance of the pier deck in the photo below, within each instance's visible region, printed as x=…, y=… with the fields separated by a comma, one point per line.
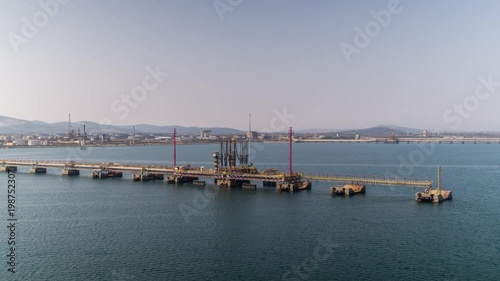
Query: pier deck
x=213, y=173
x=235, y=177
x=370, y=181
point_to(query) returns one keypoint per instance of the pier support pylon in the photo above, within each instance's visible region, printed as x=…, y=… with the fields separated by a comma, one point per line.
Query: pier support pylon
x=434, y=195
x=9, y=168
x=38, y=170
x=71, y=172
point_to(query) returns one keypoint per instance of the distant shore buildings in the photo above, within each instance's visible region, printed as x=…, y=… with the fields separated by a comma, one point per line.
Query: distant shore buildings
x=207, y=136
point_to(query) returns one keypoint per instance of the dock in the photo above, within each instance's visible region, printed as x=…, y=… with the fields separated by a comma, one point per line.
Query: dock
x=434, y=195
x=232, y=178
x=348, y=190
x=226, y=173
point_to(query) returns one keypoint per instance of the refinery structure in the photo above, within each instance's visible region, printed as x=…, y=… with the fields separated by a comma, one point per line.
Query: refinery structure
x=103, y=135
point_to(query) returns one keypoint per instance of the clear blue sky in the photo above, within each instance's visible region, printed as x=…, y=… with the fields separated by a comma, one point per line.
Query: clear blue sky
x=262, y=55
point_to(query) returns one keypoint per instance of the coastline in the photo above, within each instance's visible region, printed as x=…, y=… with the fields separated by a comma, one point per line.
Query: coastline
x=303, y=141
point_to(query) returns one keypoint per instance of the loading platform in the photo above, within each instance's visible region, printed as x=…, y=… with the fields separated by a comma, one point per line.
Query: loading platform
x=434, y=195
x=348, y=189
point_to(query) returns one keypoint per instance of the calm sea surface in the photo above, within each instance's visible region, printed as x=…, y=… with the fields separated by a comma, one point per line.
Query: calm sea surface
x=116, y=229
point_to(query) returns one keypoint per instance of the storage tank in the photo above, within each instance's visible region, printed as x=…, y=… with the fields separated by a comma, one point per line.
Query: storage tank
x=19, y=141
x=34, y=142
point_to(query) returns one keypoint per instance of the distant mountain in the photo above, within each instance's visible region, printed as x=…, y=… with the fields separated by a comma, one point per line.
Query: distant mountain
x=377, y=131
x=17, y=126
x=7, y=121
x=145, y=128
x=401, y=129
x=382, y=131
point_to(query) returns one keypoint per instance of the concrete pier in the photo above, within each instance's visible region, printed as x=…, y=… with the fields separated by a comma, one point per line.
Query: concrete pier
x=249, y=186
x=38, y=170
x=199, y=183
x=148, y=177
x=104, y=174
x=9, y=168
x=348, y=190
x=293, y=186
x=269, y=183
x=231, y=182
x=434, y=196
x=70, y=172
x=181, y=180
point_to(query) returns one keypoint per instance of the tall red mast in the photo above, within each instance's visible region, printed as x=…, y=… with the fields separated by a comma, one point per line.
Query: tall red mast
x=290, y=135
x=175, y=147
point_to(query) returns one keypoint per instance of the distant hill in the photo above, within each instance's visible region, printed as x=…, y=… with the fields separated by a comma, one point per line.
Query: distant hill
x=17, y=126
x=382, y=131
x=145, y=128
x=7, y=121
x=377, y=131
x=405, y=130
x=372, y=132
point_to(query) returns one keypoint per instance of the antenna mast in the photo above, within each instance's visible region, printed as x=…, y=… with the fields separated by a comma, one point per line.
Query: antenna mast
x=290, y=136
x=70, y=136
x=250, y=135
x=133, y=137
x=175, y=147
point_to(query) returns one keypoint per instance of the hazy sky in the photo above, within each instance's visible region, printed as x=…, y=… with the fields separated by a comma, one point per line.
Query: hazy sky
x=253, y=57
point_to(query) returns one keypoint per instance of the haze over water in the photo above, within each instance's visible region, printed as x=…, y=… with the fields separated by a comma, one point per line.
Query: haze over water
x=116, y=229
